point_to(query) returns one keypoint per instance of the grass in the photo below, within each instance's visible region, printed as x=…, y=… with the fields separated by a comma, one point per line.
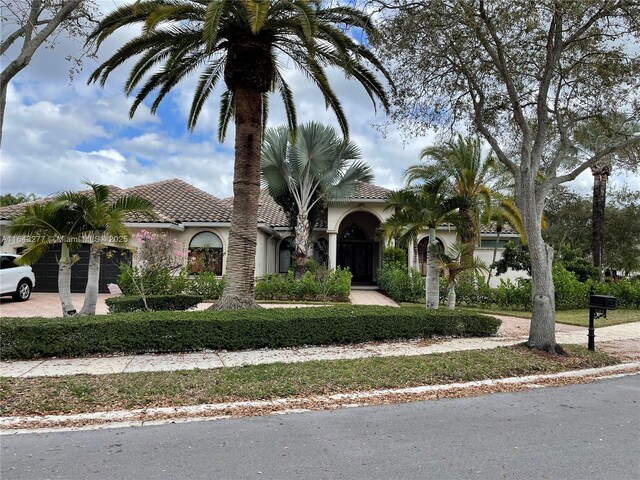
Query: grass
x=86, y=393
x=579, y=317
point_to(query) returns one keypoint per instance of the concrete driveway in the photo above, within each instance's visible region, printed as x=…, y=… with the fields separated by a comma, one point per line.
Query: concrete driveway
x=45, y=305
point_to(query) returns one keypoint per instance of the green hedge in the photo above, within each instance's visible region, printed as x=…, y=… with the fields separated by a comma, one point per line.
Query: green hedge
x=143, y=332
x=154, y=303
x=570, y=293
x=320, y=285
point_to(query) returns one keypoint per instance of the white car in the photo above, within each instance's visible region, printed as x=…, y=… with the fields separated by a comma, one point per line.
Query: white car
x=15, y=280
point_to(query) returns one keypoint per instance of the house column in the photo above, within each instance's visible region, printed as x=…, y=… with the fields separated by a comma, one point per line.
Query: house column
x=333, y=250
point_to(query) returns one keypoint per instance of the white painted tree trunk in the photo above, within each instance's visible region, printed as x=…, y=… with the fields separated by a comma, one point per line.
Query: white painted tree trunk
x=432, y=283
x=64, y=282
x=93, y=276
x=451, y=297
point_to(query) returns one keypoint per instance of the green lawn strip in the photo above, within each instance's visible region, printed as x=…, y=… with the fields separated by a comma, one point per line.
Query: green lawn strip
x=579, y=317
x=86, y=393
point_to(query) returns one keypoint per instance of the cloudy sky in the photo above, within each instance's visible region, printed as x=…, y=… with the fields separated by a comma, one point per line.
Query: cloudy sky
x=59, y=132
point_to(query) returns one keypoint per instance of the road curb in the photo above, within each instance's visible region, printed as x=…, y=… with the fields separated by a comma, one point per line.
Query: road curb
x=164, y=415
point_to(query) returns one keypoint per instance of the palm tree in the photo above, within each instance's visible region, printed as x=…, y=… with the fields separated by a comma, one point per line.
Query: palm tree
x=45, y=225
x=315, y=167
x=245, y=42
x=417, y=207
x=504, y=211
x=452, y=263
x=103, y=218
x=596, y=135
x=472, y=175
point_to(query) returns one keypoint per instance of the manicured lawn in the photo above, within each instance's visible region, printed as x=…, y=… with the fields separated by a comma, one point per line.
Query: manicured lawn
x=574, y=317
x=614, y=317
x=85, y=393
x=570, y=317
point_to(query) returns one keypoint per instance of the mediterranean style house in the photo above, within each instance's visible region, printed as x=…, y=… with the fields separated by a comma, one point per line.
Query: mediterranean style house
x=344, y=237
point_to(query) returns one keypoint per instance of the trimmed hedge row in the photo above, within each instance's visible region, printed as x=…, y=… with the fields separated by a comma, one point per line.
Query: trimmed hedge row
x=142, y=332
x=154, y=302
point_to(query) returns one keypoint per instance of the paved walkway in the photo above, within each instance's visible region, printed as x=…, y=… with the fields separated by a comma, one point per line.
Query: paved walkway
x=46, y=305
x=370, y=297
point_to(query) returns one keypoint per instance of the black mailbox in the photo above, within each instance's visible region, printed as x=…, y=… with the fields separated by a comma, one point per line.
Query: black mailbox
x=604, y=302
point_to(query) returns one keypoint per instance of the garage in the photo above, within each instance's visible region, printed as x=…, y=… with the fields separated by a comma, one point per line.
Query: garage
x=46, y=269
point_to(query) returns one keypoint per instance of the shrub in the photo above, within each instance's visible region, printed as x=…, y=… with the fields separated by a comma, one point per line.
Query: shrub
x=471, y=291
x=142, y=332
x=160, y=281
x=627, y=292
x=513, y=296
x=570, y=292
x=401, y=285
x=154, y=303
x=396, y=281
x=321, y=285
x=206, y=285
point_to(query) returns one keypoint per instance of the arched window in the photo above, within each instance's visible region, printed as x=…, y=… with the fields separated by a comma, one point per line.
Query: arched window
x=286, y=254
x=321, y=251
x=205, y=253
x=423, y=253
x=354, y=233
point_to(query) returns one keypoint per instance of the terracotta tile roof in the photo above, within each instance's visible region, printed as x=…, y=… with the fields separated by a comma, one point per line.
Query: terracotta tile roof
x=491, y=228
x=174, y=201
x=369, y=191
x=270, y=212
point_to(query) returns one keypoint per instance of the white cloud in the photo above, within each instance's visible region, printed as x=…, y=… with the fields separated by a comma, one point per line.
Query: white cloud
x=57, y=133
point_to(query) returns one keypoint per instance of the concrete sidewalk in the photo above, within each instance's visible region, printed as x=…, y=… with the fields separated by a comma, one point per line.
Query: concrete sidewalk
x=629, y=334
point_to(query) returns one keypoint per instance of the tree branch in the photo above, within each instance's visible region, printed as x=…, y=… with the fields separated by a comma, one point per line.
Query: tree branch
x=594, y=160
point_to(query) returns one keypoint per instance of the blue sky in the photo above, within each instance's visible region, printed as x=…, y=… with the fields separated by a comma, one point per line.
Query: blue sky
x=58, y=132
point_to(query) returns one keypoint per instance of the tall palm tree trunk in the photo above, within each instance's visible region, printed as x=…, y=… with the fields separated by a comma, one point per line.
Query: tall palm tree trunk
x=302, y=242
x=495, y=254
x=432, y=283
x=64, y=282
x=600, y=177
x=93, y=277
x=468, y=235
x=451, y=297
x=240, y=284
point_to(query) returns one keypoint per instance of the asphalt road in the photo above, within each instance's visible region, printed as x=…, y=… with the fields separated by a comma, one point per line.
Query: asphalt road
x=579, y=432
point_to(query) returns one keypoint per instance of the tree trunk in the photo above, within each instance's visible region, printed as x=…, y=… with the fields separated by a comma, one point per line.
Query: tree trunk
x=451, y=297
x=240, y=284
x=302, y=242
x=3, y=104
x=64, y=282
x=93, y=276
x=600, y=176
x=468, y=235
x=542, y=333
x=432, y=283
x=495, y=253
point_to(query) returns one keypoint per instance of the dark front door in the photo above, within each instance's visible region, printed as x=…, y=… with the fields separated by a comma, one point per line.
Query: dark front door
x=46, y=269
x=358, y=258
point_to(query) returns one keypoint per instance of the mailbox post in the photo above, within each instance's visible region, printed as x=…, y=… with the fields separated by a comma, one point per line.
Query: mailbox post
x=598, y=306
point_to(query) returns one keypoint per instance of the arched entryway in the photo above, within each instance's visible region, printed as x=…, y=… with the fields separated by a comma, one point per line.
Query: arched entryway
x=423, y=253
x=358, y=249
